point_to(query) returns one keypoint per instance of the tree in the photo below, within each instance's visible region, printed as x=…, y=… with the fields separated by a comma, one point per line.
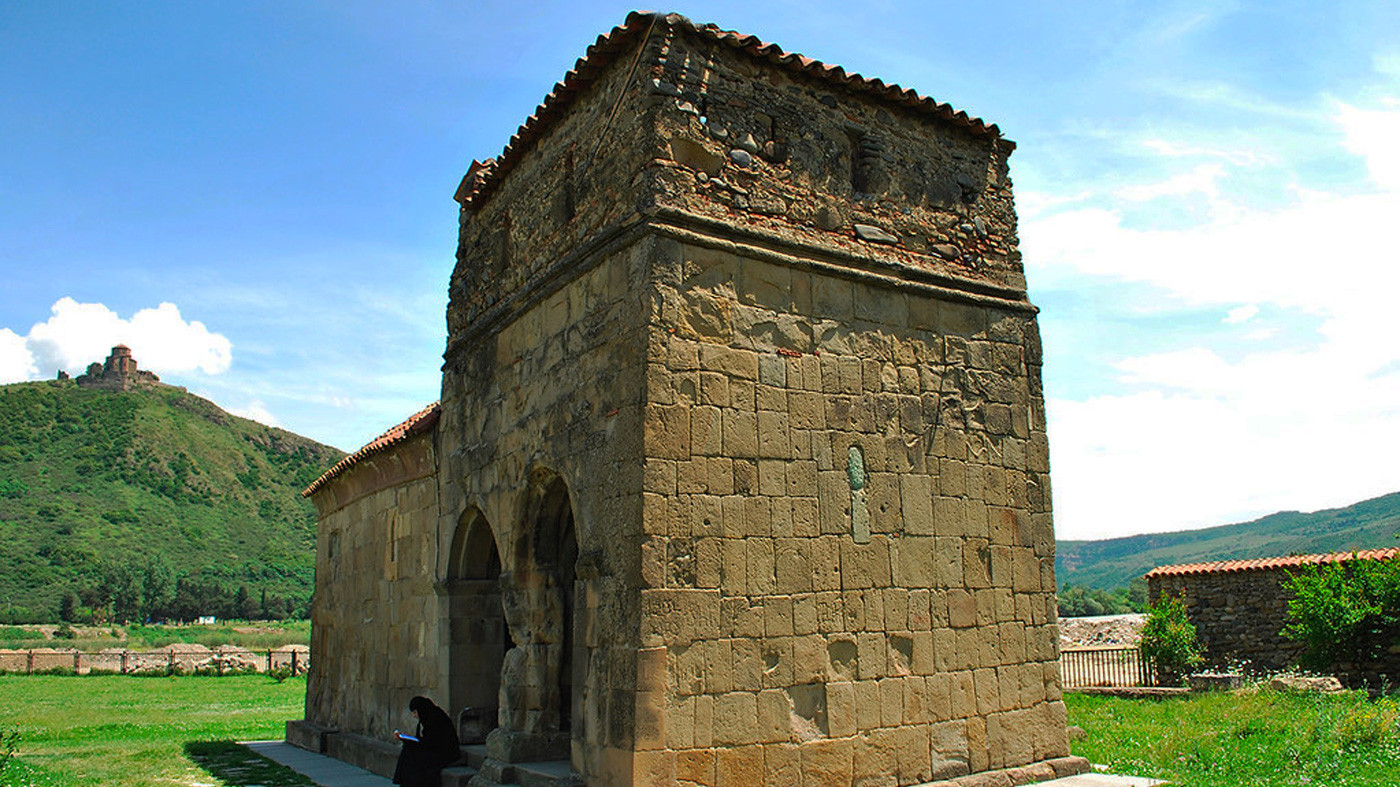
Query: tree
x=243, y=605
x=1344, y=612
x=157, y=588
x=69, y=606
x=1169, y=640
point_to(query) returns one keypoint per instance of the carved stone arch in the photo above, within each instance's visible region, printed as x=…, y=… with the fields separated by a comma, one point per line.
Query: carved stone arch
x=545, y=671
x=478, y=637
x=554, y=550
x=474, y=553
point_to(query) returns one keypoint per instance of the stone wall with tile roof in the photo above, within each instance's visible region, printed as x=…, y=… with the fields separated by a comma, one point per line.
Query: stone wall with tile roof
x=1239, y=607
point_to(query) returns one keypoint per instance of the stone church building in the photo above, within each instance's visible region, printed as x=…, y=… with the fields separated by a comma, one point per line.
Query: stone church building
x=739, y=474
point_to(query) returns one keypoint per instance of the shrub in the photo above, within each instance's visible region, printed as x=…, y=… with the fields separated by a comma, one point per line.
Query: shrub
x=1169, y=639
x=1345, y=612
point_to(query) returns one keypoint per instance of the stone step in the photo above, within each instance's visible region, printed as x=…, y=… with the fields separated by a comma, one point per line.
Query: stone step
x=544, y=774
x=457, y=776
x=494, y=773
x=474, y=754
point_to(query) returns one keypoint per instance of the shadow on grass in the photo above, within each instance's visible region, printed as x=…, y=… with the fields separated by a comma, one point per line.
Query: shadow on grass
x=237, y=765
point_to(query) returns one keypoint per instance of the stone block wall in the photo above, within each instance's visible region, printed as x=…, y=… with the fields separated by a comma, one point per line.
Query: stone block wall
x=573, y=189
x=801, y=623
x=374, y=616
x=742, y=142
x=551, y=394
x=1238, y=615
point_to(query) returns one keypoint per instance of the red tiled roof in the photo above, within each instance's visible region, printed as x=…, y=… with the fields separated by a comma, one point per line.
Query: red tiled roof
x=417, y=424
x=1291, y=561
x=481, y=180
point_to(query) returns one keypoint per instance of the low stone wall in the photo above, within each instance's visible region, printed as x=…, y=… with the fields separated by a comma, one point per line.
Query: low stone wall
x=1240, y=616
x=130, y=662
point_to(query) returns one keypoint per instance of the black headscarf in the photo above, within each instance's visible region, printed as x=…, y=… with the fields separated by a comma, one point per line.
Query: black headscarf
x=436, y=732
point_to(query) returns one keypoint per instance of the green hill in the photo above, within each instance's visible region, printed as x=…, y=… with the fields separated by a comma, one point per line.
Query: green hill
x=1112, y=563
x=149, y=503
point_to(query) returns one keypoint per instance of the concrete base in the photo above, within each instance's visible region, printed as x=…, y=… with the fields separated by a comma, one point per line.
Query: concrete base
x=1038, y=772
x=324, y=770
x=372, y=754
x=308, y=735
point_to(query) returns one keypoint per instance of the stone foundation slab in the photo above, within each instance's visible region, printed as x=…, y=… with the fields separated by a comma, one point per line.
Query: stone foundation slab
x=1046, y=770
x=308, y=735
x=372, y=754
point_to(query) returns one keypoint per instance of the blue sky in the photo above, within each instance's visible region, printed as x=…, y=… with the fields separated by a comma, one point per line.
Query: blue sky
x=257, y=197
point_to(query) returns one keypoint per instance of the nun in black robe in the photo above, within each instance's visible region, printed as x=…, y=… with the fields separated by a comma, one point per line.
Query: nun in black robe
x=421, y=761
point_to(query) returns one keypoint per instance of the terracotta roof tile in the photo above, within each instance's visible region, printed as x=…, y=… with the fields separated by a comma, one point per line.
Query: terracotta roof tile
x=483, y=177
x=418, y=423
x=1259, y=564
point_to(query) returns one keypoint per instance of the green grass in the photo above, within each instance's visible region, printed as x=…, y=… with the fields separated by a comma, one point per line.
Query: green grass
x=1259, y=739
x=124, y=731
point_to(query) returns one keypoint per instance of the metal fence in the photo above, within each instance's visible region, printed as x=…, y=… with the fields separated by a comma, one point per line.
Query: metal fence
x=156, y=661
x=1106, y=666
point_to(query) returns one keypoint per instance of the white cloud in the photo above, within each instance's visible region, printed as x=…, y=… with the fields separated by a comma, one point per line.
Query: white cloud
x=160, y=339
x=257, y=411
x=1192, y=437
x=1201, y=180
x=1371, y=134
x=16, y=362
x=1237, y=156
x=1241, y=314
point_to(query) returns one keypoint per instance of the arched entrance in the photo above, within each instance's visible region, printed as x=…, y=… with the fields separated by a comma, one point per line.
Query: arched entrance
x=545, y=671
x=555, y=548
x=477, y=629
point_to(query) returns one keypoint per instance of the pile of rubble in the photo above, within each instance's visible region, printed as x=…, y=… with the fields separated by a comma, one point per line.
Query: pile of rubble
x=1100, y=631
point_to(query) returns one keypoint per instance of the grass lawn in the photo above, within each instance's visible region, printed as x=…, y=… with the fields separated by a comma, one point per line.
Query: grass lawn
x=124, y=730
x=1259, y=739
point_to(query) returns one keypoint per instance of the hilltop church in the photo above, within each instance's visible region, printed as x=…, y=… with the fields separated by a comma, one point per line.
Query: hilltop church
x=739, y=474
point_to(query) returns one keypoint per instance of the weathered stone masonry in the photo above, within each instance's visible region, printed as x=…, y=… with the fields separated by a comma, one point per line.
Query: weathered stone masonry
x=741, y=471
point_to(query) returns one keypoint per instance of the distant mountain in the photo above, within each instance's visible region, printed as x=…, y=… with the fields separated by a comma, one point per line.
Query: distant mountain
x=1370, y=524
x=138, y=497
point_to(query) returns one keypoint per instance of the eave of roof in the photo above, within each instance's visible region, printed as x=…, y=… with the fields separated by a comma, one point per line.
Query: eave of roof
x=1260, y=564
x=483, y=177
x=418, y=423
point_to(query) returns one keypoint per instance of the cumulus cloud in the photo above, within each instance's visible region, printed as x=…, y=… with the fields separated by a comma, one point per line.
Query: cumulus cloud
x=16, y=362
x=161, y=340
x=1194, y=436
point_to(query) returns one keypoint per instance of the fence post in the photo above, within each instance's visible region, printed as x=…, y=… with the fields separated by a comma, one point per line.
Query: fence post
x=77, y=661
x=294, y=663
x=30, y=662
x=125, y=653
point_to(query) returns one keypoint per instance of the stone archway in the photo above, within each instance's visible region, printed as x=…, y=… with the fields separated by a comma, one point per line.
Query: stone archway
x=555, y=552
x=478, y=637
x=544, y=671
